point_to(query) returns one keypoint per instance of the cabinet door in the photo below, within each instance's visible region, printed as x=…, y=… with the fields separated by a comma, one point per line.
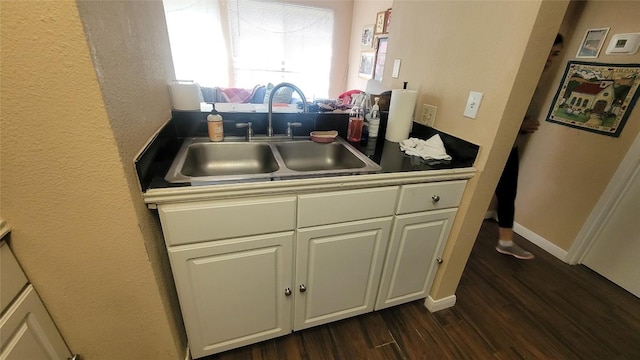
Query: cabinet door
x=338, y=270
x=27, y=331
x=12, y=279
x=233, y=292
x=417, y=240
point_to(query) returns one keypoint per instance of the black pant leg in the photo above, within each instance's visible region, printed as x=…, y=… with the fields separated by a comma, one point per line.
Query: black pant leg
x=507, y=189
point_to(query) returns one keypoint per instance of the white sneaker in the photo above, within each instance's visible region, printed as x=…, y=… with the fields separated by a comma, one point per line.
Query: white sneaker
x=515, y=251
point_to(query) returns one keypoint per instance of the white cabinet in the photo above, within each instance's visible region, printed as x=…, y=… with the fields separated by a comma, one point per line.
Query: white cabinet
x=232, y=265
x=185, y=223
x=416, y=242
x=251, y=269
x=343, y=206
x=234, y=292
x=338, y=270
x=341, y=242
x=26, y=329
x=420, y=230
x=12, y=279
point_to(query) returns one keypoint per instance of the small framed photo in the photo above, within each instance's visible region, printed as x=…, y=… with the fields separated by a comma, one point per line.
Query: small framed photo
x=381, y=55
x=381, y=21
x=387, y=21
x=367, y=62
x=367, y=37
x=592, y=43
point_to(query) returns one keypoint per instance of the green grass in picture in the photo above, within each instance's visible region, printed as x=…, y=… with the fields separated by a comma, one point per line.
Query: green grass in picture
x=571, y=117
x=607, y=121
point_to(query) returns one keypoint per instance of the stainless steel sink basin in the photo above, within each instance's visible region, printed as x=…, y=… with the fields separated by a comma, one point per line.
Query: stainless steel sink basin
x=201, y=161
x=220, y=159
x=311, y=156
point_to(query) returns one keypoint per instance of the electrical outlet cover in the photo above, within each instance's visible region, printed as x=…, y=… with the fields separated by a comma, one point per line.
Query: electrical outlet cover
x=428, y=115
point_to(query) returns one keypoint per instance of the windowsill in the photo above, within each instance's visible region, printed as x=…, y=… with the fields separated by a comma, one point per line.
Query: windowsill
x=258, y=108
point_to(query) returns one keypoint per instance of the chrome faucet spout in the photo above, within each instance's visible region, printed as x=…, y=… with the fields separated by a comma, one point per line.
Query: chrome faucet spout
x=273, y=92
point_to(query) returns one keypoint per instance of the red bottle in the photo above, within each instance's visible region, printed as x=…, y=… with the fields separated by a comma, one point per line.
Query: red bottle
x=356, y=123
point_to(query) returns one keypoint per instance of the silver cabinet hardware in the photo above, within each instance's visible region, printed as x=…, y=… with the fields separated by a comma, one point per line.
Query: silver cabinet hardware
x=435, y=198
x=287, y=291
x=303, y=288
x=439, y=260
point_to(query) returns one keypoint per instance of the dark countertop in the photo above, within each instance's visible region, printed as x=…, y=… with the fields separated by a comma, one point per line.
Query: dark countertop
x=155, y=160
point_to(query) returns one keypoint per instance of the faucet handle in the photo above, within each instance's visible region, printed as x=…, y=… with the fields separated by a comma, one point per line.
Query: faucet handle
x=291, y=125
x=249, y=134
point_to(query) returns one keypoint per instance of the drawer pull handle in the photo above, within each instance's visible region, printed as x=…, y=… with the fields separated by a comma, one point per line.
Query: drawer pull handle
x=435, y=198
x=303, y=288
x=287, y=292
x=439, y=260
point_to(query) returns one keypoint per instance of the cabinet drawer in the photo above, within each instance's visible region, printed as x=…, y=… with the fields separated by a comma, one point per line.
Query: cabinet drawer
x=341, y=206
x=430, y=196
x=12, y=279
x=214, y=220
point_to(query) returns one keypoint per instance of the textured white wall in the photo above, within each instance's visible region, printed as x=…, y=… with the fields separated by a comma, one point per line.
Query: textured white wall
x=65, y=191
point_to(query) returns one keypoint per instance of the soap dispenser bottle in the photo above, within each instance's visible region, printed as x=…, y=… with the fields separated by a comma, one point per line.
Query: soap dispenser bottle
x=374, y=119
x=214, y=125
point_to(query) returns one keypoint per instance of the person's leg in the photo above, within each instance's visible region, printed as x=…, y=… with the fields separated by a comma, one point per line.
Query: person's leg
x=506, y=194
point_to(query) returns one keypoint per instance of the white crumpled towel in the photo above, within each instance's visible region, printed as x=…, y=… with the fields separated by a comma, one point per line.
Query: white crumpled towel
x=432, y=149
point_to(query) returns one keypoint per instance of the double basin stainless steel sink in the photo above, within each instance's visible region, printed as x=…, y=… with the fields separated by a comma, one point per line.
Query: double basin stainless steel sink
x=200, y=160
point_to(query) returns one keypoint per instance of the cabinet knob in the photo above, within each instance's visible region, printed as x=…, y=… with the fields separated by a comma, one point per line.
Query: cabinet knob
x=435, y=198
x=303, y=288
x=287, y=292
x=439, y=260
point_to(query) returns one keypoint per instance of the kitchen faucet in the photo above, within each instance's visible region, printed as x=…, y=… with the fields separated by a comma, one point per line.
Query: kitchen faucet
x=273, y=92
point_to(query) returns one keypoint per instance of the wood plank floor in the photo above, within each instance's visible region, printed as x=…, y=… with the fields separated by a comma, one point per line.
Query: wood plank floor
x=506, y=309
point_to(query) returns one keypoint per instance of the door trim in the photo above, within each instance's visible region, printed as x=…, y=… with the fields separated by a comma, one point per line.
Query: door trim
x=609, y=200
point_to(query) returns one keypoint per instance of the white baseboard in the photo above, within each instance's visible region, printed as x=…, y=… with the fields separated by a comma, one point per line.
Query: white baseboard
x=440, y=304
x=187, y=355
x=543, y=243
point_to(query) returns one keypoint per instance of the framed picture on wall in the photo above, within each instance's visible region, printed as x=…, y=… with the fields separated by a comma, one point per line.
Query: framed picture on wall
x=367, y=59
x=367, y=37
x=592, y=43
x=381, y=55
x=596, y=97
x=387, y=21
x=380, y=22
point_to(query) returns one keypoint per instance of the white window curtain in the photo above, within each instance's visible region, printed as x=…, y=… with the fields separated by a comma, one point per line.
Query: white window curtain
x=197, y=42
x=274, y=42
x=271, y=42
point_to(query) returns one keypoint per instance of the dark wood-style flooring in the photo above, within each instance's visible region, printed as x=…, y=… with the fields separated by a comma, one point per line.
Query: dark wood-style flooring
x=506, y=309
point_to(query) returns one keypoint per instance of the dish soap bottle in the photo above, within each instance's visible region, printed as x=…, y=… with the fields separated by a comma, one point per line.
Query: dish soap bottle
x=214, y=125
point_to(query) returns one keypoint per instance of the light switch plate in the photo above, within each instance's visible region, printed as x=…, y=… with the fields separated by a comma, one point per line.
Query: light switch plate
x=396, y=69
x=473, y=103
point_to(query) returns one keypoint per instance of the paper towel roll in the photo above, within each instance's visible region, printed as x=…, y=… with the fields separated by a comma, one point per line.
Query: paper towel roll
x=400, y=114
x=185, y=95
